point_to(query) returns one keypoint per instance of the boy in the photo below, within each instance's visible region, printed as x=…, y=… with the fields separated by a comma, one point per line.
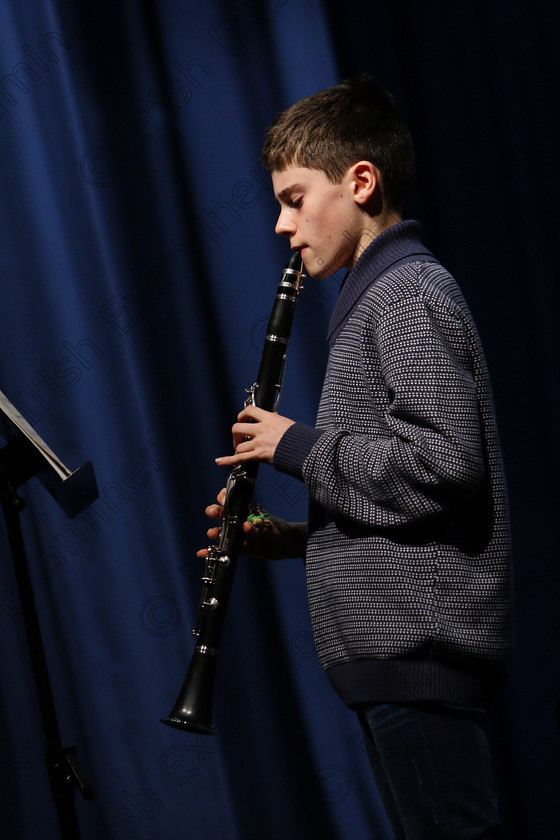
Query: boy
x=407, y=544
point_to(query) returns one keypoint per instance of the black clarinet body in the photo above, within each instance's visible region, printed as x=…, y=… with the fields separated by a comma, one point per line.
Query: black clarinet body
x=193, y=708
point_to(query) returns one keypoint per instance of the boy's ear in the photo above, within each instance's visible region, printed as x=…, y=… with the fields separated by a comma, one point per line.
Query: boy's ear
x=365, y=180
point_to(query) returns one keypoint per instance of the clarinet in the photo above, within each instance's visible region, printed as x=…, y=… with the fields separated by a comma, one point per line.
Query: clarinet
x=193, y=708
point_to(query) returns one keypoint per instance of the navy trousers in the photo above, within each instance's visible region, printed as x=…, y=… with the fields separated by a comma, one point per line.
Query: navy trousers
x=433, y=770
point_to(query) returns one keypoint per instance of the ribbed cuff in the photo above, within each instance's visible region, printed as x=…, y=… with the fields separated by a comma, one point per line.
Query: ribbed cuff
x=294, y=447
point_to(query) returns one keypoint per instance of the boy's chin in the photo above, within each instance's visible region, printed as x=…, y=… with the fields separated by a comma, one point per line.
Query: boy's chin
x=319, y=272
x=319, y=269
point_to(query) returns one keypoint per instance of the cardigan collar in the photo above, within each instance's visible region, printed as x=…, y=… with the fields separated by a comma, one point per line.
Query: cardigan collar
x=397, y=244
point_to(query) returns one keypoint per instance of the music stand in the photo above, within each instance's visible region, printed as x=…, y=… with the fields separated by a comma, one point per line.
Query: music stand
x=23, y=456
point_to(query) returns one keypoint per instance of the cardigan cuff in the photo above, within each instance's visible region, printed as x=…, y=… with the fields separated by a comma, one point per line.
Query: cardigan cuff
x=294, y=447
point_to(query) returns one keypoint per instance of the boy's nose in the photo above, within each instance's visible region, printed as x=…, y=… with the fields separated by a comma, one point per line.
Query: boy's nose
x=283, y=226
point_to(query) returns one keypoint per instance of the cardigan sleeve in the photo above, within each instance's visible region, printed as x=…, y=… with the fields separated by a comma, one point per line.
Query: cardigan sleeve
x=424, y=452
x=294, y=447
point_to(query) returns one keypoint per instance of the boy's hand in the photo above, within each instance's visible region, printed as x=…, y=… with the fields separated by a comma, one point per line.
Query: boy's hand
x=255, y=436
x=267, y=539
x=214, y=512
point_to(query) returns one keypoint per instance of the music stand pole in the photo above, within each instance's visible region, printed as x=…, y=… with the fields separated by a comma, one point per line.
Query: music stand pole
x=64, y=772
x=25, y=455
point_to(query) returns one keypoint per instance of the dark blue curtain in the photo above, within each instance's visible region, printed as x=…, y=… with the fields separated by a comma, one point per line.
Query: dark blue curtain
x=138, y=264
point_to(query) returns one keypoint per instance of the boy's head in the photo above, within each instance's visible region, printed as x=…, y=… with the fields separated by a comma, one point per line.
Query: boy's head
x=333, y=129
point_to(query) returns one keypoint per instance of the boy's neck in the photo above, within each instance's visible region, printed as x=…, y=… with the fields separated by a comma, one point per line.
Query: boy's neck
x=373, y=227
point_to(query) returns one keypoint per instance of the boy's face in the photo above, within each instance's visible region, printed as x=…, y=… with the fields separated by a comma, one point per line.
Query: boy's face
x=322, y=219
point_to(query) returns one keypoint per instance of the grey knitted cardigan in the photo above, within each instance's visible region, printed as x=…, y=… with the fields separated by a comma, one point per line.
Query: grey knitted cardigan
x=408, y=551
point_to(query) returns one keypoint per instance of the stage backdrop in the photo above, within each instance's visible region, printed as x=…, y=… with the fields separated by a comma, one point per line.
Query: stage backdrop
x=138, y=265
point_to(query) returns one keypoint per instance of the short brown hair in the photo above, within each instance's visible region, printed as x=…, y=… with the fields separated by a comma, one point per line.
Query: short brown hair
x=334, y=128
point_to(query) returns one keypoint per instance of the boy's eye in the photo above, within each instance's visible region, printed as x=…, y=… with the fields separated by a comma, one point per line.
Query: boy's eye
x=296, y=202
